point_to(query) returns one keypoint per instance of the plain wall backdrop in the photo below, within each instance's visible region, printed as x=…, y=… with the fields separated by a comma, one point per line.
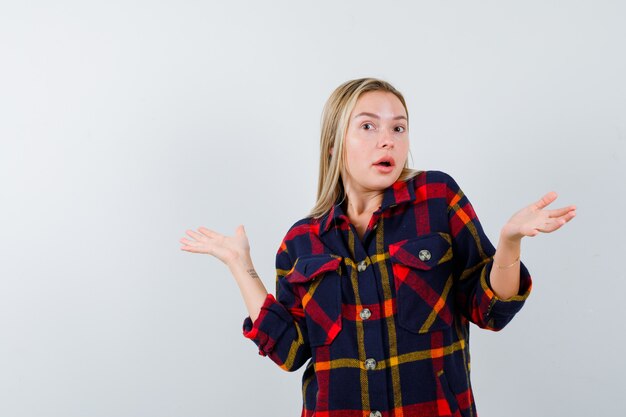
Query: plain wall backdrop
x=125, y=123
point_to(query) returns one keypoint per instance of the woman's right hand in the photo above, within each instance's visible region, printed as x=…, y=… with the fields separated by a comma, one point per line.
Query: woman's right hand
x=227, y=249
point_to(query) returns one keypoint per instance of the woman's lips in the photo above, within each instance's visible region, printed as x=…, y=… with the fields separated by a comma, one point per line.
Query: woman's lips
x=384, y=169
x=388, y=158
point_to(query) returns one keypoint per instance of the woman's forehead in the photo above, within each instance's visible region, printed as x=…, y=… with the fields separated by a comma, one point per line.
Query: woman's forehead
x=379, y=104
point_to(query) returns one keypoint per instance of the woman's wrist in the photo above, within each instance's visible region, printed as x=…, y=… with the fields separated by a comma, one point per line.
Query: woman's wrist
x=240, y=261
x=509, y=237
x=509, y=251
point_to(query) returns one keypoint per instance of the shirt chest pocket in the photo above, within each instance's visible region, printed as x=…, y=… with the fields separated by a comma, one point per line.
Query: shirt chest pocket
x=317, y=280
x=423, y=280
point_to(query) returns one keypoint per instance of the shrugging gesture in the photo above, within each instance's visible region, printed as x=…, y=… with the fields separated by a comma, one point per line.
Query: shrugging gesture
x=234, y=251
x=528, y=221
x=378, y=285
x=533, y=219
x=227, y=249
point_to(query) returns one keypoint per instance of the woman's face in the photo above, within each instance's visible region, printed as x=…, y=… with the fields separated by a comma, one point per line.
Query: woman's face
x=377, y=129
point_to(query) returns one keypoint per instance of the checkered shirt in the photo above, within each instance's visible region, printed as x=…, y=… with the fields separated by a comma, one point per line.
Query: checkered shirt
x=382, y=322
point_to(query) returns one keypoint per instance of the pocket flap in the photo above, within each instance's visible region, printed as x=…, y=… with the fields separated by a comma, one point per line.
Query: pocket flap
x=424, y=252
x=308, y=267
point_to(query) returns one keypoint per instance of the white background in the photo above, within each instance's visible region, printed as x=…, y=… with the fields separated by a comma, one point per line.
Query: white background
x=125, y=123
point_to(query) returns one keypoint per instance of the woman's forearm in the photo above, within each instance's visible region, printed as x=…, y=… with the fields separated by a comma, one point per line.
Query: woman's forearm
x=252, y=289
x=505, y=281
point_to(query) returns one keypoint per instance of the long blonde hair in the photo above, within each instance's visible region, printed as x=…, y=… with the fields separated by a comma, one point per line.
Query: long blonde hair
x=335, y=118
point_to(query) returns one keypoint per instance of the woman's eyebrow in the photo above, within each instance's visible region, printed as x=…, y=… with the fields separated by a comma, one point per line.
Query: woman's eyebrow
x=372, y=115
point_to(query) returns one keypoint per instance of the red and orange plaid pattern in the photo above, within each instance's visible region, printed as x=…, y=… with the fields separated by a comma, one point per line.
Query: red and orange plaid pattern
x=385, y=319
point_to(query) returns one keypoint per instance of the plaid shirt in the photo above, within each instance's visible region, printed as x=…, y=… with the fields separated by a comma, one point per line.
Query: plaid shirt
x=385, y=319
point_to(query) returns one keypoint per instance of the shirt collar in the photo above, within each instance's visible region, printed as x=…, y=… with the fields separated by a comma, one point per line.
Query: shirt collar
x=397, y=193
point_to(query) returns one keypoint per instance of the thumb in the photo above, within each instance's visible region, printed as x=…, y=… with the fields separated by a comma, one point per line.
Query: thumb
x=241, y=230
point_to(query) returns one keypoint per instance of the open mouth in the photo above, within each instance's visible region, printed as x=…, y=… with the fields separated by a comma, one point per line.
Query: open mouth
x=385, y=161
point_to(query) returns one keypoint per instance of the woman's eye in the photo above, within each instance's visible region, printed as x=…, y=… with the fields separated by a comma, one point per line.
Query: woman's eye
x=401, y=129
x=367, y=124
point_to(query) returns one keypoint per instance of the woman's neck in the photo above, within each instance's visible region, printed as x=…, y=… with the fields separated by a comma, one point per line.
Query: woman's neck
x=362, y=204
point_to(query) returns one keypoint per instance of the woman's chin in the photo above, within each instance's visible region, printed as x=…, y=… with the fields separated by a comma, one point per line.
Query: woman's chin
x=381, y=182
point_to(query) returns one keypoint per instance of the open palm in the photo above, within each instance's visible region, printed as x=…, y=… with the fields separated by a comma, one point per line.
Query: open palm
x=534, y=218
x=226, y=248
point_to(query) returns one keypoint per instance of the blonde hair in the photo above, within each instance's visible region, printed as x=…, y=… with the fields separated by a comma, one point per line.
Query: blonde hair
x=335, y=119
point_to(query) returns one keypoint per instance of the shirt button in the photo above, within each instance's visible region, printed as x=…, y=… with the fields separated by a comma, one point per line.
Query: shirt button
x=376, y=414
x=365, y=314
x=361, y=266
x=424, y=255
x=370, y=364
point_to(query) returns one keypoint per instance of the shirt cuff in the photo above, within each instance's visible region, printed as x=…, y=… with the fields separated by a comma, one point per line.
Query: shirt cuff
x=500, y=309
x=272, y=322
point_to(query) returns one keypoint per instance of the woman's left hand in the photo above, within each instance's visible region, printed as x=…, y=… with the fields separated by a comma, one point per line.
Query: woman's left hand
x=533, y=219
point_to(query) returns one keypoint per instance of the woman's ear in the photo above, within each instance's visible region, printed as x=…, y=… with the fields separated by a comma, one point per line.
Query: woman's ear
x=331, y=151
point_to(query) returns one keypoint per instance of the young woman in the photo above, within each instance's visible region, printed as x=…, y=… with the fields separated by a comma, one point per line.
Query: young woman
x=378, y=284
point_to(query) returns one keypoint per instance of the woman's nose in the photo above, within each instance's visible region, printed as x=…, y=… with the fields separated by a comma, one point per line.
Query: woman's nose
x=386, y=140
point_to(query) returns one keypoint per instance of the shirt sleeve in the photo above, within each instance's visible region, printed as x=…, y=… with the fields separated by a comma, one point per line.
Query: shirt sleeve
x=473, y=259
x=280, y=329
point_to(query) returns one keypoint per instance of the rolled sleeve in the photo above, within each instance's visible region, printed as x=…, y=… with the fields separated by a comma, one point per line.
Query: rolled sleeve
x=496, y=311
x=269, y=326
x=473, y=253
x=280, y=329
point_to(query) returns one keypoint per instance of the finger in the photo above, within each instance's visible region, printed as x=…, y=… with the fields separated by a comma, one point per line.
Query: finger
x=546, y=199
x=551, y=227
x=191, y=249
x=194, y=234
x=198, y=247
x=189, y=242
x=554, y=224
x=567, y=216
x=208, y=232
x=561, y=211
